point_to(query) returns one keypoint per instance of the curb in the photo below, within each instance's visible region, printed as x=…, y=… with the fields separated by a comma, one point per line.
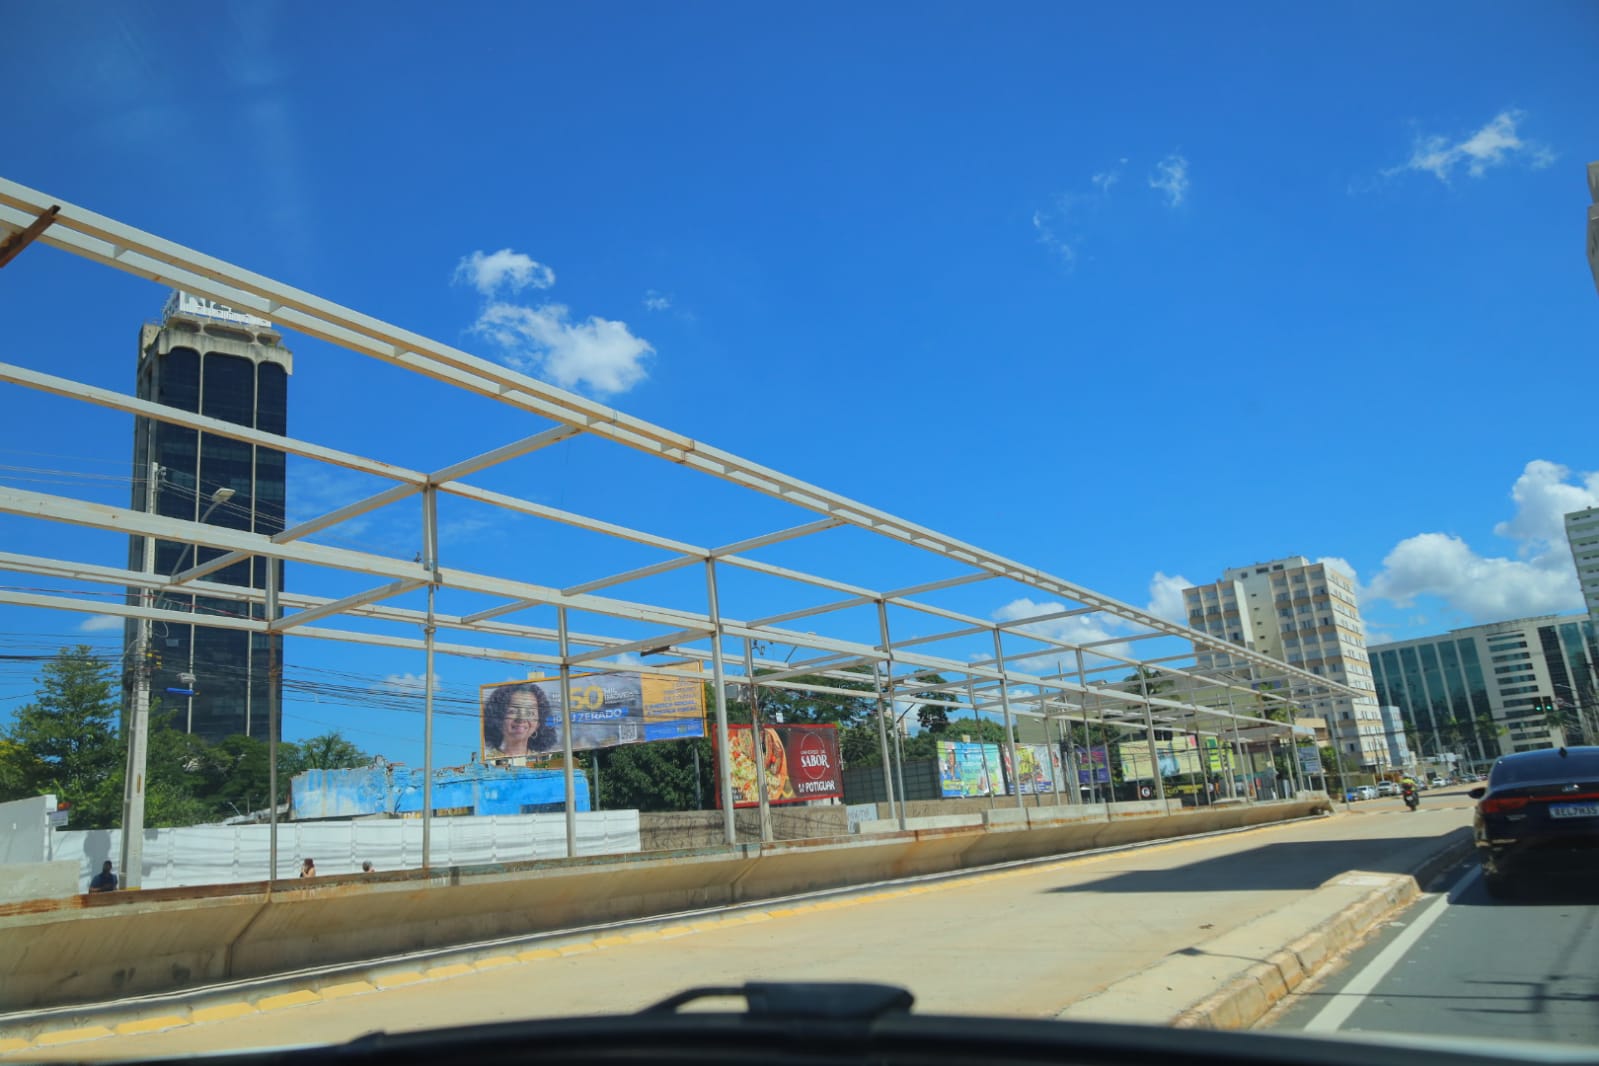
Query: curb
x=1245, y=999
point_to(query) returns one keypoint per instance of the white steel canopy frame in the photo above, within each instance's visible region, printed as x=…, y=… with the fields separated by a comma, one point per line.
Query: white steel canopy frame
x=691, y=635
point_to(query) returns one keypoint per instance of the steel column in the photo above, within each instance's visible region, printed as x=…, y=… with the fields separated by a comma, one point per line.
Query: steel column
x=719, y=692
x=566, y=735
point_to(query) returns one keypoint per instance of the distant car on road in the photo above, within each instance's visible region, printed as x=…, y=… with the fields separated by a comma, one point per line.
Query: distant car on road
x=1437, y=782
x=1387, y=788
x=1363, y=792
x=1538, y=808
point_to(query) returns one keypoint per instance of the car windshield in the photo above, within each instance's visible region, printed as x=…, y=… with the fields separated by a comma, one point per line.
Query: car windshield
x=512, y=510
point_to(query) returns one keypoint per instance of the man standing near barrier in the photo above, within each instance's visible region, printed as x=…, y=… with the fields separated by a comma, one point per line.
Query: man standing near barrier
x=105, y=880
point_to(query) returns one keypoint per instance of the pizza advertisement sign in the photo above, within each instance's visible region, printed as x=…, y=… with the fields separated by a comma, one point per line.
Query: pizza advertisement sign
x=802, y=764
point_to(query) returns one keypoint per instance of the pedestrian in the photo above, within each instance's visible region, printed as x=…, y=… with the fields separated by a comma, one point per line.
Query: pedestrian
x=105, y=880
x=308, y=868
x=366, y=867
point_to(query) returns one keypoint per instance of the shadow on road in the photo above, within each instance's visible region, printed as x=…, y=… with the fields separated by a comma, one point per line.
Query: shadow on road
x=1286, y=865
x=1551, y=885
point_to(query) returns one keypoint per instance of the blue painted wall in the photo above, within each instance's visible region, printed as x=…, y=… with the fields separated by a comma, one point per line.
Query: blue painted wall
x=397, y=790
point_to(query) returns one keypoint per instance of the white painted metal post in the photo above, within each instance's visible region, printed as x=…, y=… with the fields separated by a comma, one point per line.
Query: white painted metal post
x=566, y=733
x=982, y=746
x=719, y=694
x=1149, y=727
x=1052, y=751
x=137, y=735
x=896, y=798
x=1004, y=706
x=274, y=720
x=430, y=557
x=427, y=736
x=758, y=739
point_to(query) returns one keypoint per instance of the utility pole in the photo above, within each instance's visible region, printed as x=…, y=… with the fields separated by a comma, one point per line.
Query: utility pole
x=137, y=732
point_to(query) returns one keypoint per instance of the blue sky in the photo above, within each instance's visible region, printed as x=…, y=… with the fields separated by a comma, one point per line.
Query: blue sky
x=1129, y=294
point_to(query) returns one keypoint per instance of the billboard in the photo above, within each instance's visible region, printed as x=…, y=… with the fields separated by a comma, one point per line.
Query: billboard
x=802, y=764
x=522, y=719
x=1093, y=765
x=1039, y=771
x=1180, y=755
x=969, y=769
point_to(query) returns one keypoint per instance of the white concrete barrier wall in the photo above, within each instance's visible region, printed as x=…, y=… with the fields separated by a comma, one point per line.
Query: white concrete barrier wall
x=229, y=854
x=25, y=831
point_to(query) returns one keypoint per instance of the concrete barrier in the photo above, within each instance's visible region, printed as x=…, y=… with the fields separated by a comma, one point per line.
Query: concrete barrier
x=117, y=944
x=21, y=881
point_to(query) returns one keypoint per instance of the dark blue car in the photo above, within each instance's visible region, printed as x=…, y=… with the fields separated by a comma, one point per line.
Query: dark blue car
x=1538, y=808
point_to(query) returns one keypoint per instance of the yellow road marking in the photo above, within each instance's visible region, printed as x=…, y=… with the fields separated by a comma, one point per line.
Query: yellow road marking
x=151, y=1025
x=299, y=997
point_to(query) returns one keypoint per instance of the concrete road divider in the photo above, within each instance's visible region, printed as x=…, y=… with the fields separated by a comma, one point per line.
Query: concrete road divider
x=88, y=948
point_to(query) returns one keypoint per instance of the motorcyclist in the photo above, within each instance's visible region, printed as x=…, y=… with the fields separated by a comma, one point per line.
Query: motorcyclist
x=1408, y=791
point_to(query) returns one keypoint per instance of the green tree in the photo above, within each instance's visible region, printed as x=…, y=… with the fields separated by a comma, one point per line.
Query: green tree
x=330, y=751
x=67, y=735
x=20, y=772
x=659, y=776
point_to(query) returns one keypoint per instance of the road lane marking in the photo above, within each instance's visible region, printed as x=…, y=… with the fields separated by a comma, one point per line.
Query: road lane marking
x=1347, y=1000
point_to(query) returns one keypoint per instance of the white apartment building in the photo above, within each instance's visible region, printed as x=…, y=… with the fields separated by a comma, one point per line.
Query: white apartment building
x=1306, y=614
x=1582, y=533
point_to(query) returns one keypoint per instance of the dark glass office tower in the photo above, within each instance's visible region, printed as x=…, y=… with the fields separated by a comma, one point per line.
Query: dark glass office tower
x=223, y=364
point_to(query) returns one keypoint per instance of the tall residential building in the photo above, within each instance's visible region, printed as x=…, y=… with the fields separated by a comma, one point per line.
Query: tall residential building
x=1582, y=533
x=1306, y=614
x=1490, y=690
x=212, y=360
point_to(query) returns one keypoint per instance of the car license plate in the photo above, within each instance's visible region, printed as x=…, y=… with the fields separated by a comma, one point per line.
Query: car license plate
x=1574, y=810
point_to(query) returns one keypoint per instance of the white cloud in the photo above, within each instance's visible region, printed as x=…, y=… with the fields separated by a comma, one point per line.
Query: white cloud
x=412, y=684
x=1166, y=597
x=595, y=353
x=1106, y=178
x=1076, y=629
x=1342, y=565
x=491, y=271
x=656, y=301
x=1496, y=143
x=1171, y=178
x=100, y=623
x=1540, y=580
x=1044, y=226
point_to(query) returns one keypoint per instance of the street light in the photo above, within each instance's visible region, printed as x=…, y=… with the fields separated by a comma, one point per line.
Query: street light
x=138, y=734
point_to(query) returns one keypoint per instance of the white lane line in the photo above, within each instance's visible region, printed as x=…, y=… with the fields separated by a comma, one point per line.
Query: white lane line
x=1348, y=1000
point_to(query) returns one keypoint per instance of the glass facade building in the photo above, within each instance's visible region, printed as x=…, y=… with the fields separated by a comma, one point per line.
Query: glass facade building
x=1491, y=690
x=235, y=370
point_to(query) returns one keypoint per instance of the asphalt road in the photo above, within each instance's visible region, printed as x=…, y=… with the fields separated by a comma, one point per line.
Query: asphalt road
x=1461, y=964
x=1025, y=941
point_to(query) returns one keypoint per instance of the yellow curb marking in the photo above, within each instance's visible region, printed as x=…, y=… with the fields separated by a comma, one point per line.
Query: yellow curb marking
x=221, y=1012
x=298, y=997
x=348, y=988
x=11, y=1043
x=66, y=1036
x=494, y=961
x=454, y=969
x=400, y=977
x=151, y=1025
x=537, y=953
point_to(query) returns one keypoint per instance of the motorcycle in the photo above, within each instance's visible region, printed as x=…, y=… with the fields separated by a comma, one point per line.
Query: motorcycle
x=1412, y=800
